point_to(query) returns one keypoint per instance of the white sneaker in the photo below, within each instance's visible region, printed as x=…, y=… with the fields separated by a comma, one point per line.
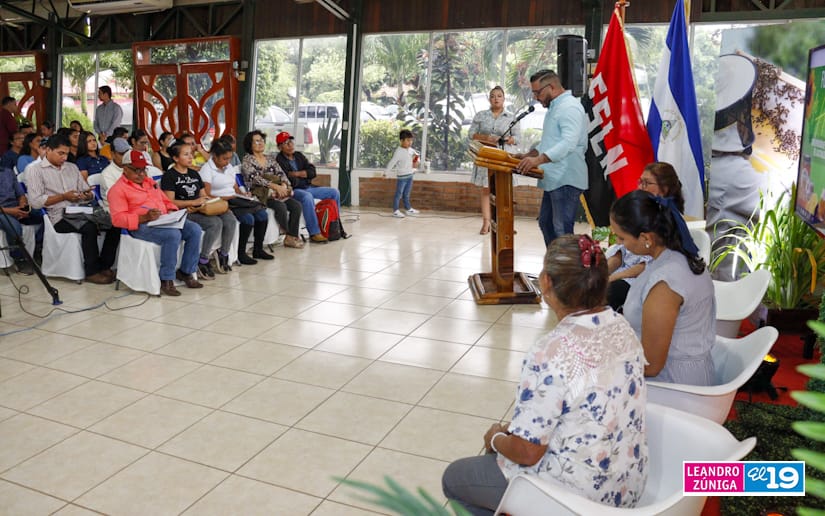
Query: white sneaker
x=413, y=211
x=397, y=214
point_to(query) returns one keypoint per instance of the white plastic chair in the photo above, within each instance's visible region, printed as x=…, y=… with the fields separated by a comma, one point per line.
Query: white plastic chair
x=673, y=436
x=62, y=253
x=702, y=241
x=138, y=263
x=736, y=300
x=28, y=235
x=734, y=362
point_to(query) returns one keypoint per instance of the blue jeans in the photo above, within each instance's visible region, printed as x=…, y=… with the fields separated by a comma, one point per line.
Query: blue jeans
x=307, y=196
x=249, y=219
x=169, y=240
x=558, y=212
x=403, y=187
x=12, y=227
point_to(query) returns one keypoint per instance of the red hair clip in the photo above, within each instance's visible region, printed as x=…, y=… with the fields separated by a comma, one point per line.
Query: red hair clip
x=590, y=251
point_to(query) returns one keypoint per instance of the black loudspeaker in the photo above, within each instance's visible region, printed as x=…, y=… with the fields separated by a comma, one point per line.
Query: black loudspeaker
x=571, y=63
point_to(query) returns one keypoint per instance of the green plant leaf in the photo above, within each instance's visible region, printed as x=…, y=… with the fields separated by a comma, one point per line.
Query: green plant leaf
x=818, y=327
x=812, y=400
x=813, y=370
x=814, y=487
x=811, y=458
x=400, y=500
x=811, y=430
x=807, y=511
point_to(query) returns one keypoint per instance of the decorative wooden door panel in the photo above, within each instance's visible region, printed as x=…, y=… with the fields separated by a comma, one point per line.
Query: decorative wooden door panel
x=199, y=97
x=26, y=87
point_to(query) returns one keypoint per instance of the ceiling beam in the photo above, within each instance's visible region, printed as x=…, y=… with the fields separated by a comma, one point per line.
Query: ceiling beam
x=49, y=23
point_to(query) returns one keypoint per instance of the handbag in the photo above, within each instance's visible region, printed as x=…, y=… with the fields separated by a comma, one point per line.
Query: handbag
x=241, y=206
x=214, y=207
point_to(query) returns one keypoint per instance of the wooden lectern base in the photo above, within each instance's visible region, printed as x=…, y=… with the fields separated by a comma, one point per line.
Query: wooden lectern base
x=485, y=292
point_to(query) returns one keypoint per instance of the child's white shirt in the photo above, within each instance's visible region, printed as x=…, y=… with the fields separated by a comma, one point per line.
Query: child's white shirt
x=402, y=162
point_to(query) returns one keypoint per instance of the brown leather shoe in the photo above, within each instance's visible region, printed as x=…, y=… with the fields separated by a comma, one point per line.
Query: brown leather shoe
x=100, y=278
x=108, y=272
x=188, y=280
x=318, y=239
x=167, y=288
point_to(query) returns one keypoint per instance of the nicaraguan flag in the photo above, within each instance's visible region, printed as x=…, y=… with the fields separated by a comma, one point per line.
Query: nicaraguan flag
x=673, y=122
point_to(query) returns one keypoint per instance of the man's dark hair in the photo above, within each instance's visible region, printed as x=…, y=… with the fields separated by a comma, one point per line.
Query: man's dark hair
x=120, y=132
x=105, y=89
x=6, y=100
x=220, y=147
x=48, y=125
x=404, y=134
x=545, y=76
x=56, y=141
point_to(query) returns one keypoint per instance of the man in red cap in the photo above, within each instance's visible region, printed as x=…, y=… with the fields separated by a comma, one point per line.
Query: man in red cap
x=134, y=201
x=301, y=173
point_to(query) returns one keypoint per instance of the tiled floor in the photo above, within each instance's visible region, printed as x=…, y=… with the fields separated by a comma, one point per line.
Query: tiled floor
x=361, y=358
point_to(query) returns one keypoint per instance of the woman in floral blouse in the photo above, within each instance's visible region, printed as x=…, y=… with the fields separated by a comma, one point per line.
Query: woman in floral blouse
x=580, y=403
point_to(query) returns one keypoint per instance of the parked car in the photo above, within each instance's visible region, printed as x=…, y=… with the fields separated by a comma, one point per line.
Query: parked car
x=277, y=120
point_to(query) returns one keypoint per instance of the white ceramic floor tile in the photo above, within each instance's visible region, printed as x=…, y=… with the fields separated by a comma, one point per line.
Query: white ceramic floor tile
x=244, y=324
x=87, y=404
x=23, y=436
x=74, y=510
x=452, y=330
x=237, y=495
x=394, y=382
x=466, y=309
x=305, y=334
x=354, y=417
x=194, y=315
x=36, y=386
x=490, y=398
x=19, y=501
x=361, y=296
x=101, y=326
x=201, y=346
x=71, y=467
x=11, y=368
x=416, y=303
x=259, y=357
x=282, y=305
x=459, y=435
x=390, y=321
x=328, y=508
x=150, y=421
x=279, y=401
x=211, y=386
x=47, y=348
x=409, y=471
x=433, y=354
x=223, y=440
x=95, y=360
x=156, y=484
x=150, y=336
x=491, y=363
x=305, y=461
x=329, y=370
x=334, y=313
x=359, y=343
x=150, y=373
x=514, y=338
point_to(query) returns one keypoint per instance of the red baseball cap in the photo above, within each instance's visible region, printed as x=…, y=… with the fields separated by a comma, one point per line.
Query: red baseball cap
x=282, y=137
x=135, y=158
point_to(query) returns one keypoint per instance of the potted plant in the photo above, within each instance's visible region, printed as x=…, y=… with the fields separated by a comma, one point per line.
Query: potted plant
x=790, y=250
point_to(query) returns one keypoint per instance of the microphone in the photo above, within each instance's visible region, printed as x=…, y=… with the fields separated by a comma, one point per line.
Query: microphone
x=525, y=113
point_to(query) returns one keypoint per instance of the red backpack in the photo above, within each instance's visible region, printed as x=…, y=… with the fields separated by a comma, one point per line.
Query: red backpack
x=327, y=212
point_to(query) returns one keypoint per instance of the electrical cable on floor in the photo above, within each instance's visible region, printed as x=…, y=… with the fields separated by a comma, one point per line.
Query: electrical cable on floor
x=417, y=216
x=24, y=290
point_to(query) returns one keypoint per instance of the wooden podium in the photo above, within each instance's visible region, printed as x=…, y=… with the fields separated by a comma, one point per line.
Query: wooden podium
x=502, y=285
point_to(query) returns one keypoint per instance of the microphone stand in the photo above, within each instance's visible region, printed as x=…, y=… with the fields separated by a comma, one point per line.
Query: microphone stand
x=18, y=242
x=503, y=138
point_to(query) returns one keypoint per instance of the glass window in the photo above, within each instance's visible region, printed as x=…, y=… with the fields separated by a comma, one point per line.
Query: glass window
x=189, y=52
x=84, y=74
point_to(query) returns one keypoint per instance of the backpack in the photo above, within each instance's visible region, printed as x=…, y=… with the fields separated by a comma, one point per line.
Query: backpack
x=327, y=212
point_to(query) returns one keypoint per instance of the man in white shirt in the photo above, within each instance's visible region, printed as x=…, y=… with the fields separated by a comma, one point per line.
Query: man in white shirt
x=55, y=184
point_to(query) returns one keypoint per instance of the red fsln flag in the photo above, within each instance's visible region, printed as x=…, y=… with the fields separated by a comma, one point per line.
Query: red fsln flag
x=618, y=136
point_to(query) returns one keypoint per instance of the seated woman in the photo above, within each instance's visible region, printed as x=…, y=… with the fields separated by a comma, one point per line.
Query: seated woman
x=670, y=305
x=658, y=178
x=30, y=152
x=184, y=187
x=262, y=170
x=89, y=161
x=219, y=181
x=580, y=385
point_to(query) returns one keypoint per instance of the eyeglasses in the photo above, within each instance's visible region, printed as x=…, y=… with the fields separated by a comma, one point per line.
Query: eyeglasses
x=644, y=183
x=257, y=142
x=537, y=92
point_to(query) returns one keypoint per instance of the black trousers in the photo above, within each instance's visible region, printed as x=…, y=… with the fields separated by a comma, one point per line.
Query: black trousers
x=94, y=260
x=287, y=214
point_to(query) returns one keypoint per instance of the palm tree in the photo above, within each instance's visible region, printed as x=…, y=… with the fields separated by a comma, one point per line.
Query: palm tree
x=398, y=54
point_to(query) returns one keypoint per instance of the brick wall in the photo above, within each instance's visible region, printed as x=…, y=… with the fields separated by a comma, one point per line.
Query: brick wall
x=442, y=196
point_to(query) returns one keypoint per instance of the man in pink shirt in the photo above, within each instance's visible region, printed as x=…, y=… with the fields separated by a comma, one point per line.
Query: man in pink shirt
x=135, y=200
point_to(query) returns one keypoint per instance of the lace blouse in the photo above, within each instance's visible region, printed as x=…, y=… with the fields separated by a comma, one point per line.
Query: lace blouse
x=582, y=393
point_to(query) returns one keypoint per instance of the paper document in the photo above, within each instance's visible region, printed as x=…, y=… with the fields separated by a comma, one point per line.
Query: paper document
x=174, y=219
x=247, y=197
x=79, y=209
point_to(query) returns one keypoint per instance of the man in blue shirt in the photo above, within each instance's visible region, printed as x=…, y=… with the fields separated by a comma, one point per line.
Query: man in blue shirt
x=16, y=211
x=560, y=154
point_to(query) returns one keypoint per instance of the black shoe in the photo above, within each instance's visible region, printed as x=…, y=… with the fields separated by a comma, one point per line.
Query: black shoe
x=205, y=271
x=224, y=261
x=345, y=235
x=246, y=260
x=261, y=255
x=24, y=267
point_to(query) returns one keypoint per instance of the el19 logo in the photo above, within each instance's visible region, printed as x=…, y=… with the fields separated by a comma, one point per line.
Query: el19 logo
x=773, y=478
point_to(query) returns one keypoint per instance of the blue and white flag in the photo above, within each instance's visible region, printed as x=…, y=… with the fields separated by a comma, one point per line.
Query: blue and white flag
x=673, y=122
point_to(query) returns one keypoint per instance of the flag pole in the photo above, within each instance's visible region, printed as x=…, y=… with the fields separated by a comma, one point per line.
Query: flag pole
x=622, y=5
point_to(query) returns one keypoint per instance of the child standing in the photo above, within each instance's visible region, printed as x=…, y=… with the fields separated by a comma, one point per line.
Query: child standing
x=404, y=161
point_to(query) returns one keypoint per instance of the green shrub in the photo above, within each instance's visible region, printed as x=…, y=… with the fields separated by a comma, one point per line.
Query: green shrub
x=378, y=141
x=70, y=114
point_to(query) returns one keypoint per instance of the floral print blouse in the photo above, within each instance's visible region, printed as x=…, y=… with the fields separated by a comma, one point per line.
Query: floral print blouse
x=253, y=172
x=582, y=393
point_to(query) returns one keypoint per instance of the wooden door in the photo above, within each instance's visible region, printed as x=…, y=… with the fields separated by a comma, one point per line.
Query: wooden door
x=197, y=97
x=27, y=87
